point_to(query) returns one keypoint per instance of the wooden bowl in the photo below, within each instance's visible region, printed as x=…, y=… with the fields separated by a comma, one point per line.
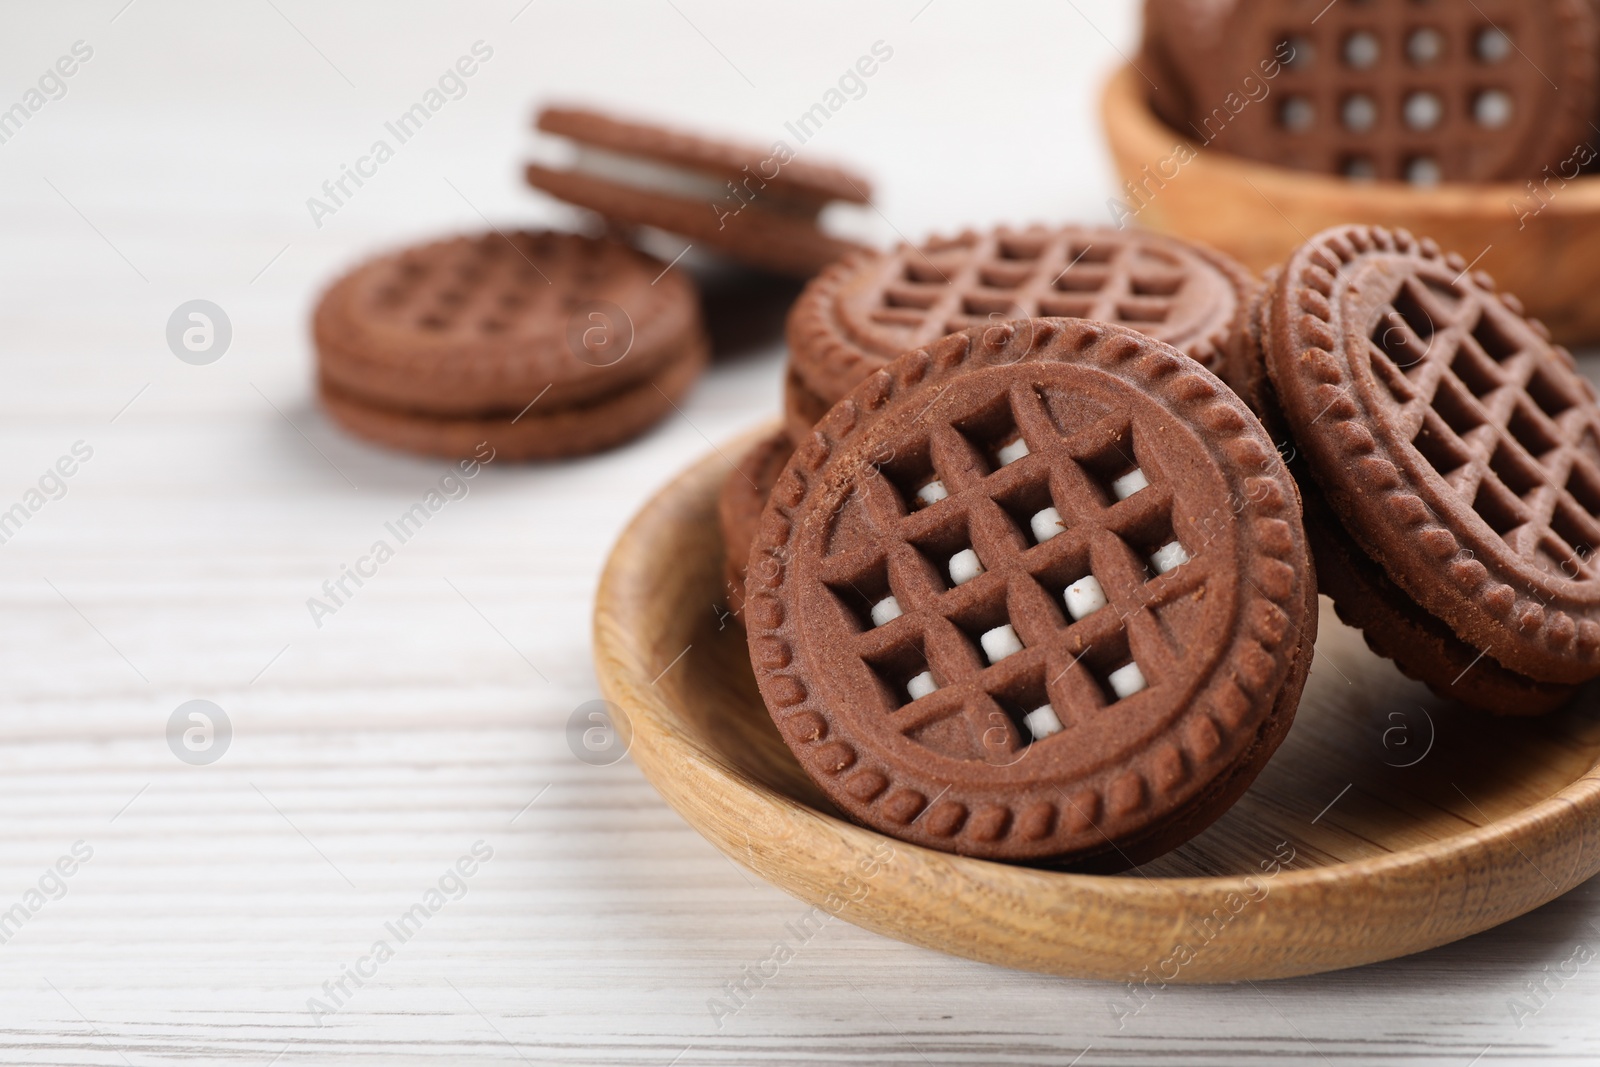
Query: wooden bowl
x=1387, y=823
x=1260, y=213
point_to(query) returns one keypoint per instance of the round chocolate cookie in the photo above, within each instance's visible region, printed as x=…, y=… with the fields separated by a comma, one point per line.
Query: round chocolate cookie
x=757, y=205
x=743, y=497
x=1457, y=445
x=1394, y=626
x=867, y=309
x=529, y=332
x=1403, y=90
x=1037, y=592
x=489, y=322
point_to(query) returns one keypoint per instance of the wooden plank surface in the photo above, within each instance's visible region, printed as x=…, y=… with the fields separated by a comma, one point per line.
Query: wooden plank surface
x=430, y=713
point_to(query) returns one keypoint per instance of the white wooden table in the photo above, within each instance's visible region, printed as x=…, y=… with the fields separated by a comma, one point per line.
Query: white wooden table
x=220, y=906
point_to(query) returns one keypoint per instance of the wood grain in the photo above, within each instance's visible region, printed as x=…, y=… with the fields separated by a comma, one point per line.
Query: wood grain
x=1488, y=820
x=1545, y=248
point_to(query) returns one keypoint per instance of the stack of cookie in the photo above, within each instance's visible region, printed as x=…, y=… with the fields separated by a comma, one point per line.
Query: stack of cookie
x=541, y=345
x=544, y=345
x=1399, y=90
x=1450, y=457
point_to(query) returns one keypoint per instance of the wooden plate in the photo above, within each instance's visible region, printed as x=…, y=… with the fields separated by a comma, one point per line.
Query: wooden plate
x=1260, y=213
x=1387, y=823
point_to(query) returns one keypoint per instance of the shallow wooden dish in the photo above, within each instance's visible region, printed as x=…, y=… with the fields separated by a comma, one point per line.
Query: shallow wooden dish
x=1410, y=823
x=1260, y=213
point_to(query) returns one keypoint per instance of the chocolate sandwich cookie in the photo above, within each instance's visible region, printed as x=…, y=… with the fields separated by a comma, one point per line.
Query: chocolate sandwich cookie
x=1401, y=90
x=1457, y=446
x=1036, y=592
x=1394, y=626
x=544, y=344
x=865, y=310
x=744, y=496
x=756, y=205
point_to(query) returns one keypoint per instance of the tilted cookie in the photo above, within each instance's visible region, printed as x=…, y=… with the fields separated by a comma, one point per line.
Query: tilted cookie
x=1457, y=445
x=1394, y=625
x=1036, y=592
x=758, y=206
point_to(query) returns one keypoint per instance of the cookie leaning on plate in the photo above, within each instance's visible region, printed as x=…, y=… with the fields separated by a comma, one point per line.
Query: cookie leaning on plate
x=1037, y=592
x=543, y=344
x=867, y=309
x=1395, y=627
x=1458, y=447
x=758, y=206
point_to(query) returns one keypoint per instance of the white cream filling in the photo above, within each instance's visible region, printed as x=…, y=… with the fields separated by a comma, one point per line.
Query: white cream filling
x=650, y=174
x=965, y=566
x=1009, y=454
x=1169, y=556
x=932, y=493
x=1085, y=596
x=1046, y=524
x=1042, y=722
x=922, y=685
x=1129, y=484
x=1000, y=642
x=667, y=179
x=1126, y=681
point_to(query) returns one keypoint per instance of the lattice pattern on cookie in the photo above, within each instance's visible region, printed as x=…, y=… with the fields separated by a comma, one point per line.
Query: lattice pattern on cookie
x=979, y=662
x=491, y=286
x=1403, y=90
x=983, y=279
x=839, y=538
x=1507, y=427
